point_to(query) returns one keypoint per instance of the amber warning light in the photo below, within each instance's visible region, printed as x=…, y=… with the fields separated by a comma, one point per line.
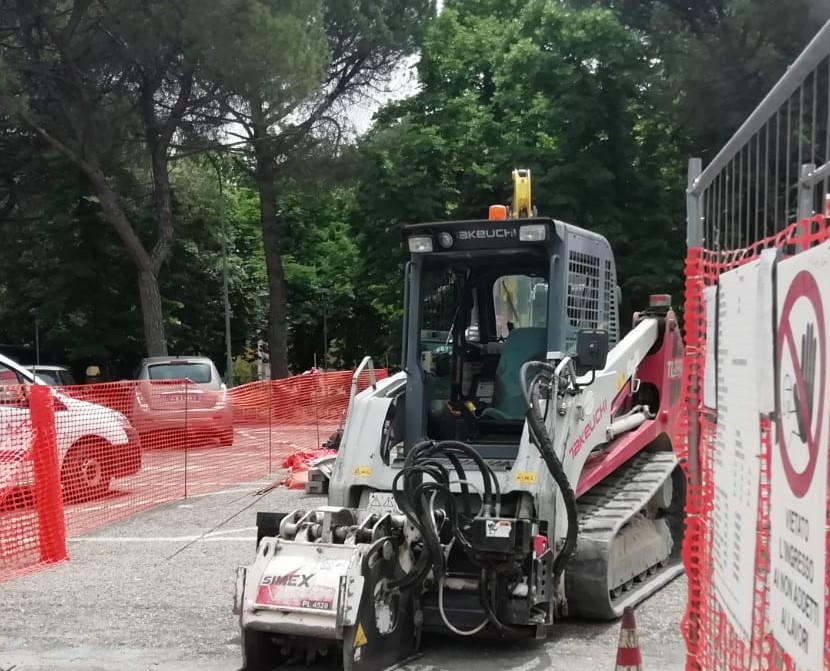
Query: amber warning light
x=497, y=212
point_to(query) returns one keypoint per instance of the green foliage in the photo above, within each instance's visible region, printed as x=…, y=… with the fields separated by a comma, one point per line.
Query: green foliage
x=565, y=93
x=717, y=58
x=322, y=265
x=282, y=44
x=244, y=369
x=66, y=269
x=196, y=270
x=731, y=64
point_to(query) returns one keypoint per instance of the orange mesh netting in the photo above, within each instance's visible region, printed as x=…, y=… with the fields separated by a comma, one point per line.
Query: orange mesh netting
x=32, y=531
x=712, y=642
x=77, y=458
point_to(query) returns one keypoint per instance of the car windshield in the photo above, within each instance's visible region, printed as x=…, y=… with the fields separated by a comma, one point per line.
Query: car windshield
x=197, y=372
x=49, y=376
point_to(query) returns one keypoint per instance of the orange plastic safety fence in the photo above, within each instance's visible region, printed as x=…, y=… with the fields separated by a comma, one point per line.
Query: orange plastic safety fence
x=712, y=642
x=73, y=459
x=32, y=531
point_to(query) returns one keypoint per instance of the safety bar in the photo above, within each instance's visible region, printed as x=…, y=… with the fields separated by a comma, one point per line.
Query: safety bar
x=367, y=361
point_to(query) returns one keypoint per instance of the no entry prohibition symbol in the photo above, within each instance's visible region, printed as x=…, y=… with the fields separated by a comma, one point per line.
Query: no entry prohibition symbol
x=800, y=395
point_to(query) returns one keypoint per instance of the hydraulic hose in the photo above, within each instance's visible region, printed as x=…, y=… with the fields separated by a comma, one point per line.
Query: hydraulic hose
x=487, y=603
x=412, y=493
x=416, y=500
x=544, y=444
x=492, y=489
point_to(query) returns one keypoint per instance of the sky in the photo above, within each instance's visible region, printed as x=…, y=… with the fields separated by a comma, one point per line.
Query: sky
x=403, y=83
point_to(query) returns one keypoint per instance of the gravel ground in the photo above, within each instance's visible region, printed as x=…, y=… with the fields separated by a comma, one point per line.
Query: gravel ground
x=125, y=602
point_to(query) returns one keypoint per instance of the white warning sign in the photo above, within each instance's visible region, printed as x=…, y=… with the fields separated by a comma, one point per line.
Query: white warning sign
x=737, y=453
x=710, y=367
x=798, y=485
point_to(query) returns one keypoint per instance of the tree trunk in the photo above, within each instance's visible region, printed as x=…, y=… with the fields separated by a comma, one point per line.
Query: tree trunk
x=148, y=287
x=272, y=241
x=151, y=312
x=163, y=208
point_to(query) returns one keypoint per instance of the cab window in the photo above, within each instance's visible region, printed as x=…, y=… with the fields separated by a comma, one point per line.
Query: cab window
x=519, y=301
x=440, y=301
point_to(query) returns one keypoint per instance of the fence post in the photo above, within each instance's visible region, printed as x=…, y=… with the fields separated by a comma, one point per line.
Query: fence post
x=806, y=206
x=694, y=228
x=48, y=497
x=186, y=431
x=694, y=238
x=270, y=384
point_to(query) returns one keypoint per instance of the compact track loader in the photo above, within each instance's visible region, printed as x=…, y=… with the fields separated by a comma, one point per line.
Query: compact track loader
x=518, y=470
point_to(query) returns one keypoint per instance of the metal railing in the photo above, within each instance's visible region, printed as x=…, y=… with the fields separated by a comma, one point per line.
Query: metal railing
x=775, y=169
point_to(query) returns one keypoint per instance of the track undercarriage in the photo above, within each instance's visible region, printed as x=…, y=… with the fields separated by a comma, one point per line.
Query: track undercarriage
x=630, y=536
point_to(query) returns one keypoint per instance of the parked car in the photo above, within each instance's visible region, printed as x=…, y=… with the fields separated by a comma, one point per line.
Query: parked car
x=182, y=394
x=95, y=444
x=56, y=376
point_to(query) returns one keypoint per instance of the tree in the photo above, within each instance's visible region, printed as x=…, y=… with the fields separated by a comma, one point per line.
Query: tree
x=321, y=267
x=365, y=41
x=718, y=58
x=566, y=93
x=114, y=86
x=64, y=267
x=61, y=82
x=205, y=215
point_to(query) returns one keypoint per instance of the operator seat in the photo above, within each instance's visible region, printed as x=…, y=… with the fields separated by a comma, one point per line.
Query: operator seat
x=508, y=407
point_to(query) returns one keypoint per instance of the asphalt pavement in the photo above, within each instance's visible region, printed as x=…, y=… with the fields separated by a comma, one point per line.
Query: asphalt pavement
x=154, y=592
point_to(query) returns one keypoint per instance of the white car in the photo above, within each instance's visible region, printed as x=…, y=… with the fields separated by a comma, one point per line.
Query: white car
x=55, y=376
x=95, y=444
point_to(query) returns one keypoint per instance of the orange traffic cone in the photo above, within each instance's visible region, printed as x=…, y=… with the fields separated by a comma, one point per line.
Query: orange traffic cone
x=628, y=652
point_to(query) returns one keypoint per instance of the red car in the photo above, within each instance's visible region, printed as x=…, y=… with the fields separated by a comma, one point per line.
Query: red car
x=182, y=394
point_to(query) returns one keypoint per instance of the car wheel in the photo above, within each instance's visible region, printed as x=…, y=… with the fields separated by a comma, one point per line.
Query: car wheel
x=85, y=472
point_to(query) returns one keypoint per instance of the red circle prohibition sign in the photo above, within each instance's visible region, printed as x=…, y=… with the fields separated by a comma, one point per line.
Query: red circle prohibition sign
x=804, y=285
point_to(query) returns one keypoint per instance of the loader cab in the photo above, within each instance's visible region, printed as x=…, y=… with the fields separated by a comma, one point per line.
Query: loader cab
x=482, y=298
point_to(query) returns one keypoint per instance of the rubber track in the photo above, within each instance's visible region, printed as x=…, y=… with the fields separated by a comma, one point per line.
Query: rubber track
x=602, y=513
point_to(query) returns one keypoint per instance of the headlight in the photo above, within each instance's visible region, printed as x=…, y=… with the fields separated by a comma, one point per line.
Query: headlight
x=420, y=244
x=533, y=232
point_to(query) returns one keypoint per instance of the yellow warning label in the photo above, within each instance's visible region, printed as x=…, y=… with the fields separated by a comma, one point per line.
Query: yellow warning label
x=360, y=636
x=620, y=381
x=526, y=477
x=362, y=471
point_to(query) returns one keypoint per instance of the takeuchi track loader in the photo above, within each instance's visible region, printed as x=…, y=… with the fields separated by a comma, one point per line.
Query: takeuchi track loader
x=519, y=469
